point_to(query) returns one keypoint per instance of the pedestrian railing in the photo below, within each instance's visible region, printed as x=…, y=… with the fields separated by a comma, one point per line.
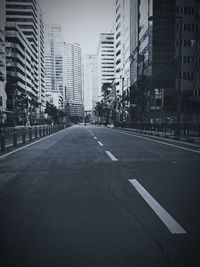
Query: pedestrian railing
x=14, y=136
x=177, y=130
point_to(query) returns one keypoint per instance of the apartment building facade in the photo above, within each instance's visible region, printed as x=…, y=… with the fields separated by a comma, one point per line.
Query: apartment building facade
x=25, y=60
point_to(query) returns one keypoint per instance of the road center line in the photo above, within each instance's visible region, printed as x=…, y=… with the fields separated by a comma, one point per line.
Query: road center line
x=111, y=156
x=100, y=143
x=160, y=142
x=95, y=138
x=164, y=216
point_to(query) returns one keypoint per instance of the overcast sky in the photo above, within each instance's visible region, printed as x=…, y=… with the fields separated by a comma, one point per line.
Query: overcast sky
x=81, y=20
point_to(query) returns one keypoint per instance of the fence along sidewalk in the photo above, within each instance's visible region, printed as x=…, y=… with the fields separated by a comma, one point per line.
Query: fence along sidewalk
x=13, y=137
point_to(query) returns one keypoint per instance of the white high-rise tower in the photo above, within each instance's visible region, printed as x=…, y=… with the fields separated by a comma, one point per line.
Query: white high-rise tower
x=90, y=81
x=105, y=56
x=54, y=59
x=73, y=79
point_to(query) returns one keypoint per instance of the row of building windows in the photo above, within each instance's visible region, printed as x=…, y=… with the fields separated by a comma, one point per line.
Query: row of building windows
x=187, y=75
x=187, y=59
x=185, y=10
x=185, y=43
x=107, y=42
x=188, y=27
x=107, y=55
x=107, y=63
x=108, y=51
x=108, y=75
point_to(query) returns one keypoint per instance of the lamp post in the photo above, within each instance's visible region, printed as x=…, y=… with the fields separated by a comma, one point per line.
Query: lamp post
x=115, y=93
x=178, y=100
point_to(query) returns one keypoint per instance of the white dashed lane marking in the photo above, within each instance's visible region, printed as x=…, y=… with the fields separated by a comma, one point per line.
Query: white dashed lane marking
x=164, y=216
x=111, y=156
x=100, y=143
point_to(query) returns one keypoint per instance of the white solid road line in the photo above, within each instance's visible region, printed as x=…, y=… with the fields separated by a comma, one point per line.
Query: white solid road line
x=18, y=149
x=164, y=216
x=160, y=142
x=111, y=156
x=100, y=143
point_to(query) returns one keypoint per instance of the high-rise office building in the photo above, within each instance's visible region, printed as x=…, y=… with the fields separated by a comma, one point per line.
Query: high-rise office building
x=165, y=66
x=54, y=59
x=122, y=45
x=189, y=11
x=25, y=55
x=2, y=64
x=122, y=53
x=152, y=57
x=73, y=79
x=105, y=56
x=90, y=82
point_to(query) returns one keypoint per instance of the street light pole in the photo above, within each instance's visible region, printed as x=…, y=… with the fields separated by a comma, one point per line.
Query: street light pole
x=115, y=91
x=13, y=109
x=179, y=74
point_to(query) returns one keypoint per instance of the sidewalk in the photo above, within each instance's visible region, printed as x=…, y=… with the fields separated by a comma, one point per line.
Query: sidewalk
x=189, y=139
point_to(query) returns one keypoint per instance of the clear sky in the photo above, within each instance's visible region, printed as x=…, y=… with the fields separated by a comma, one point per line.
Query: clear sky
x=81, y=20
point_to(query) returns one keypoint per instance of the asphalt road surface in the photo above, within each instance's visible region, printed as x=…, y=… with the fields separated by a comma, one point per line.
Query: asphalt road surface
x=91, y=196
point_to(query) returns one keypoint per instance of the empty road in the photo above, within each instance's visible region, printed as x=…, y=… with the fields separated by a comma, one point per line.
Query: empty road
x=91, y=196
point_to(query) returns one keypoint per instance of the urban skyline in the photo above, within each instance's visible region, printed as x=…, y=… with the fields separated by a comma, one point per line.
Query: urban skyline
x=76, y=16
x=148, y=65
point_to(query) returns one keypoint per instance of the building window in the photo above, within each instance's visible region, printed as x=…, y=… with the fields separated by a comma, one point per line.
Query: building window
x=187, y=59
x=187, y=75
x=196, y=92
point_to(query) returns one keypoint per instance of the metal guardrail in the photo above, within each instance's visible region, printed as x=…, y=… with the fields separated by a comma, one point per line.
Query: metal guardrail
x=14, y=136
x=187, y=130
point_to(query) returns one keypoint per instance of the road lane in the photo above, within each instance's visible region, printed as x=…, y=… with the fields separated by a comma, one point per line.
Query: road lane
x=168, y=173
x=61, y=208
